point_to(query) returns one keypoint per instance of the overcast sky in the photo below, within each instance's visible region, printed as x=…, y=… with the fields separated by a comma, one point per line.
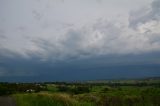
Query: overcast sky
x=94, y=38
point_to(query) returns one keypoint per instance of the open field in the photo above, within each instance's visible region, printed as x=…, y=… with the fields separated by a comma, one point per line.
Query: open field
x=91, y=93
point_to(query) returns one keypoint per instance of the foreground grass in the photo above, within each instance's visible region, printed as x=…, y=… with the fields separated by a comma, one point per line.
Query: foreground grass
x=126, y=96
x=46, y=99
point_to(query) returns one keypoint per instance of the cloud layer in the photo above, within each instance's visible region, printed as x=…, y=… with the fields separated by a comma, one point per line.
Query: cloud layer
x=99, y=36
x=68, y=31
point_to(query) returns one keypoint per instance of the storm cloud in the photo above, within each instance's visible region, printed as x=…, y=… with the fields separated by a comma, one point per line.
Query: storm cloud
x=61, y=35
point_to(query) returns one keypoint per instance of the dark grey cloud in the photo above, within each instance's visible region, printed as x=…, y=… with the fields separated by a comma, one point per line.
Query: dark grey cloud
x=155, y=38
x=99, y=67
x=37, y=15
x=145, y=15
x=2, y=34
x=155, y=9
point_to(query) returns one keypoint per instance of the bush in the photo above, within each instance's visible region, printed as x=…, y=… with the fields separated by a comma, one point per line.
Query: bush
x=63, y=88
x=81, y=89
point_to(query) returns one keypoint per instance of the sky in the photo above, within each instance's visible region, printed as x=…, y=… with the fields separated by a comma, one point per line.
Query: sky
x=69, y=40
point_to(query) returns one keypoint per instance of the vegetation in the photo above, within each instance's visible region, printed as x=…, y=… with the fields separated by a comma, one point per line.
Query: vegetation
x=47, y=99
x=92, y=93
x=11, y=88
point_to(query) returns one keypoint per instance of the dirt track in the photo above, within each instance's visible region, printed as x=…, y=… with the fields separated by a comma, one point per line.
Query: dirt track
x=7, y=101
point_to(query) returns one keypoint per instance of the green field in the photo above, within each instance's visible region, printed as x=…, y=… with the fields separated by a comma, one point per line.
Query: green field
x=103, y=93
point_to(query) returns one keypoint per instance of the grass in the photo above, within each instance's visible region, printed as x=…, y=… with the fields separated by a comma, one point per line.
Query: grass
x=121, y=93
x=124, y=96
x=48, y=99
x=51, y=88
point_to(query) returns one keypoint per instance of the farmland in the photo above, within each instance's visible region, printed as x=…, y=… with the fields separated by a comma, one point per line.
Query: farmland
x=144, y=92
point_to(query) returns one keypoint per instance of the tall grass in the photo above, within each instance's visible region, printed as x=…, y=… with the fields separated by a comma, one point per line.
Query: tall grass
x=98, y=96
x=46, y=99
